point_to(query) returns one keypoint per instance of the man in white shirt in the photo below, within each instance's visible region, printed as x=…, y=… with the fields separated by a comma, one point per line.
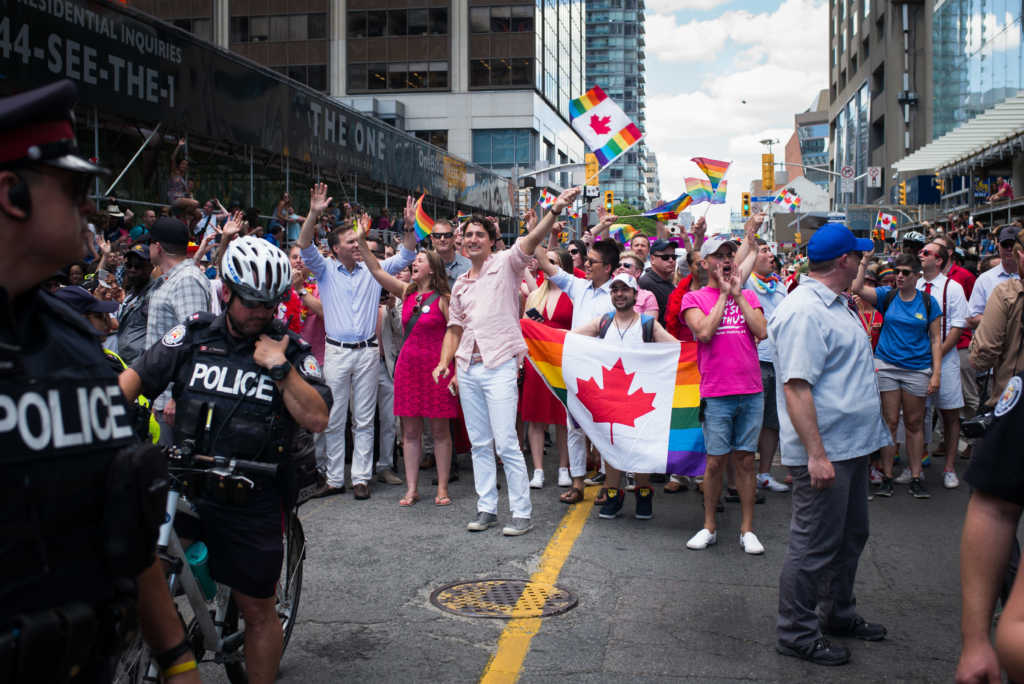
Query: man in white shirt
x=1006, y=269
x=950, y=397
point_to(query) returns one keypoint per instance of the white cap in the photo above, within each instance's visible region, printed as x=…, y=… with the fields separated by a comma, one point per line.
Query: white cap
x=624, y=278
x=712, y=245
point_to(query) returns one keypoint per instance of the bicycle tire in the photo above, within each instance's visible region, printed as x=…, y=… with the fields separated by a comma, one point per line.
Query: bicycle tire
x=289, y=590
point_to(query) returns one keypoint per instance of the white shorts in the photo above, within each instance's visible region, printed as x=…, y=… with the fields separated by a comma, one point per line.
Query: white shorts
x=951, y=391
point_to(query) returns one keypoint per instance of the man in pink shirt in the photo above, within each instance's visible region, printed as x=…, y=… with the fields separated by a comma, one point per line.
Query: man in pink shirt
x=727, y=322
x=484, y=338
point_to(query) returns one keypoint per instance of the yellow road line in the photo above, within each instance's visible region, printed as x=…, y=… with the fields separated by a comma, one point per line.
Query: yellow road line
x=514, y=643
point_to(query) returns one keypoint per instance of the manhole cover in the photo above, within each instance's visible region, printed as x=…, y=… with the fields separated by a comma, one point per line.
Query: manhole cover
x=503, y=598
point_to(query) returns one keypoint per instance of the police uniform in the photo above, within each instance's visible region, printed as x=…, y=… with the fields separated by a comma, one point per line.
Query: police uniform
x=997, y=468
x=212, y=369
x=66, y=587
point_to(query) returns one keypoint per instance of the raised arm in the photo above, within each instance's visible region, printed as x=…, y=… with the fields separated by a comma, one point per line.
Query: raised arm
x=409, y=225
x=318, y=201
x=174, y=156
x=529, y=242
x=387, y=281
x=230, y=231
x=866, y=292
x=746, y=255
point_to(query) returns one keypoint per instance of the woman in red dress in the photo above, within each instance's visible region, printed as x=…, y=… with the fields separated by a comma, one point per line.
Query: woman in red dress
x=417, y=396
x=537, y=404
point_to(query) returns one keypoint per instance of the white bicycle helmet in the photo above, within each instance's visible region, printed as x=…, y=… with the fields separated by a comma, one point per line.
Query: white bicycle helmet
x=256, y=269
x=914, y=236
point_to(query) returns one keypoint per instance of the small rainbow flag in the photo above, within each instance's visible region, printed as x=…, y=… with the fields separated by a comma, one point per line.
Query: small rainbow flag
x=699, y=189
x=715, y=170
x=660, y=428
x=619, y=143
x=789, y=198
x=623, y=232
x=545, y=199
x=424, y=224
x=670, y=210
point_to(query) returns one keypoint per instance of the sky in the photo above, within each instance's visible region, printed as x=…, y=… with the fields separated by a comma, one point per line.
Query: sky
x=724, y=74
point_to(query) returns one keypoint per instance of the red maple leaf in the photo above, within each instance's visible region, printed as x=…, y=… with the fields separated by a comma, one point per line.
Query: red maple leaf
x=600, y=124
x=614, y=404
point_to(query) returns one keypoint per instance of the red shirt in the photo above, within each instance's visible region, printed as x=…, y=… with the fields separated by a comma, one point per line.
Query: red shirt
x=676, y=327
x=966, y=280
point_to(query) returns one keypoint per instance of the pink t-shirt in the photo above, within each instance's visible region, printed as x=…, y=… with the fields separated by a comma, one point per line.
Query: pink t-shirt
x=728, y=364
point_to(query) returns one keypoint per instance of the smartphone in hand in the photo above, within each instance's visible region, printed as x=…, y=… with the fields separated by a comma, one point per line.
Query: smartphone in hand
x=534, y=315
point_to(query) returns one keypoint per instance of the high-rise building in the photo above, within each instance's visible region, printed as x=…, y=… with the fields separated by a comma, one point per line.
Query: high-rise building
x=977, y=56
x=615, y=61
x=808, y=145
x=880, y=84
x=487, y=81
x=652, y=180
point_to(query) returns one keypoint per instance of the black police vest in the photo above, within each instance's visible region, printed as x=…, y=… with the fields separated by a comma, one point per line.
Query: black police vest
x=248, y=419
x=62, y=419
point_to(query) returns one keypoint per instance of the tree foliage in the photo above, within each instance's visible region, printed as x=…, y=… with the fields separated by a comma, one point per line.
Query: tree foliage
x=645, y=225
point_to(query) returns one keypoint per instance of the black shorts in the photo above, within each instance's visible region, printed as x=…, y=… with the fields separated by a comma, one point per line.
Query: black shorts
x=245, y=543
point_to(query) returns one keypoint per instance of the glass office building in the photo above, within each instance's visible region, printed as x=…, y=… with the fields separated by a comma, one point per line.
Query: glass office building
x=615, y=61
x=851, y=142
x=978, y=58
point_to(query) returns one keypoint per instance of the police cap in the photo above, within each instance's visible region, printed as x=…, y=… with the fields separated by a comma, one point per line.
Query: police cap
x=36, y=127
x=169, y=231
x=82, y=301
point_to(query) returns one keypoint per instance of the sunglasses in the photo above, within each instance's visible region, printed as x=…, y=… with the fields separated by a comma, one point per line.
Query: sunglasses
x=574, y=251
x=905, y=272
x=591, y=262
x=442, y=236
x=666, y=257
x=928, y=252
x=253, y=304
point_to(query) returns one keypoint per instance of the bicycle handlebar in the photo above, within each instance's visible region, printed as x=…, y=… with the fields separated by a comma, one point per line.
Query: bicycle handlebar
x=239, y=464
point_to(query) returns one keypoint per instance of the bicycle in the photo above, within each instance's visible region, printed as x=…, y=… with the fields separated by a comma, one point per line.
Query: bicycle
x=213, y=630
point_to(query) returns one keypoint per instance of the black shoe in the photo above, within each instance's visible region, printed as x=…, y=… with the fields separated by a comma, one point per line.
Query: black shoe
x=659, y=477
x=917, y=489
x=885, y=489
x=613, y=506
x=819, y=652
x=595, y=479
x=327, y=490
x=859, y=628
x=644, y=503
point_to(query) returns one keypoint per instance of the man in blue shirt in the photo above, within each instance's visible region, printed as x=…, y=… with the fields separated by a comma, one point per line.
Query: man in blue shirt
x=350, y=296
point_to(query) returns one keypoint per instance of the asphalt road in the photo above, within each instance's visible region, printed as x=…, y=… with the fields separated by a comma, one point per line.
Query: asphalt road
x=649, y=609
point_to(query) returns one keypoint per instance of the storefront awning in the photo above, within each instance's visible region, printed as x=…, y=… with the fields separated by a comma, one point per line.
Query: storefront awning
x=1000, y=126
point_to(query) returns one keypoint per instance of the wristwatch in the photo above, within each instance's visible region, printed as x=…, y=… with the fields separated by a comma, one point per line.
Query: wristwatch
x=280, y=371
x=303, y=292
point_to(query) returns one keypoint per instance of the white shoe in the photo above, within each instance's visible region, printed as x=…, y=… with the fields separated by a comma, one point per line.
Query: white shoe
x=751, y=544
x=766, y=481
x=538, y=479
x=630, y=482
x=950, y=480
x=702, y=540
x=875, y=476
x=905, y=477
x=563, y=478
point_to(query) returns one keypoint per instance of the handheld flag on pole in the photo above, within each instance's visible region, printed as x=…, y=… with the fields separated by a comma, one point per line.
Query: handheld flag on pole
x=424, y=225
x=789, y=198
x=699, y=189
x=886, y=222
x=603, y=125
x=714, y=169
x=546, y=199
x=623, y=232
x=719, y=195
x=671, y=209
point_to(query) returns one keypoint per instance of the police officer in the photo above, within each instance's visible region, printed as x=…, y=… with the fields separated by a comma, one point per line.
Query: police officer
x=77, y=566
x=996, y=475
x=262, y=383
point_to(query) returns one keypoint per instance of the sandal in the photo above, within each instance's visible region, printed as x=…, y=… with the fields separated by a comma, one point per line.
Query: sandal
x=407, y=501
x=602, y=497
x=442, y=501
x=573, y=496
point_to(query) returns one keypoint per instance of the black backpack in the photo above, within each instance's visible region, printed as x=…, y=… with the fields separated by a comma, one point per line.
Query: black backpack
x=646, y=325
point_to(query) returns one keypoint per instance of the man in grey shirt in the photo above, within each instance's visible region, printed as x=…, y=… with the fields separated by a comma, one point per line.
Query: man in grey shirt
x=830, y=420
x=443, y=239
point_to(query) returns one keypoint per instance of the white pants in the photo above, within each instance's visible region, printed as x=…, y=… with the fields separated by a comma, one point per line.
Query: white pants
x=352, y=376
x=577, y=448
x=386, y=418
x=489, y=399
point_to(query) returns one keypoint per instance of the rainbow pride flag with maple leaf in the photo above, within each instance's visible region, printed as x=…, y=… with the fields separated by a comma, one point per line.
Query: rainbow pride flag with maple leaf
x=639, y=405
x=603, y=125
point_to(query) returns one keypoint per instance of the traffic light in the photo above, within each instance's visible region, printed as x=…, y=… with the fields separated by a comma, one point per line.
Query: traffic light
x=609, y=201
x=798, y=238
x=768, y=171
x=745, y=205
x=903, y=192
x=939, y=185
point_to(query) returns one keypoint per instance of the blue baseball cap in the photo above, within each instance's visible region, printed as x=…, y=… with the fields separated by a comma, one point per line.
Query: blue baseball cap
x=834, y=240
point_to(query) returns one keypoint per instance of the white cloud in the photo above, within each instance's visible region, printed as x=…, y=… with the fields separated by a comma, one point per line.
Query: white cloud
x=778, y=63
x=673, y=5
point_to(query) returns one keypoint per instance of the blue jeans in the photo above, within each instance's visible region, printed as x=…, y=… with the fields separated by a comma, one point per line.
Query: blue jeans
x=732, y=423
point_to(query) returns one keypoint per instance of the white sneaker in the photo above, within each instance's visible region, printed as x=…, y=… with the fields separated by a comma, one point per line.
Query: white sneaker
x=751, y=544
x=766, y=481
x=538, y=479
x=702, y=540
x=563, y=478
x=950, y=480
x=905, y=477
x=875, y=476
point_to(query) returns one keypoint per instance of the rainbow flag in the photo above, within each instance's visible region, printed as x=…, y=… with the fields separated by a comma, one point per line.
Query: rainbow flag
x=715, y=170
x=719, y=196
x=424, y=225
x=639, y=405
x=699, y=189
x=545, y=199
x=670, y=210
x=623, y=232
x=789, y=198
x=603, y=125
